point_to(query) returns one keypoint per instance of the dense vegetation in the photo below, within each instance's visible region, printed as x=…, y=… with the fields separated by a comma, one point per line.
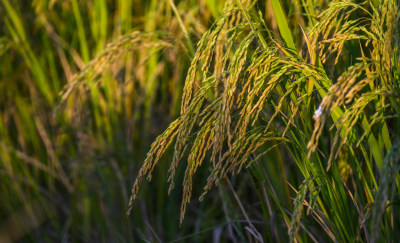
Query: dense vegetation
x=280, y=116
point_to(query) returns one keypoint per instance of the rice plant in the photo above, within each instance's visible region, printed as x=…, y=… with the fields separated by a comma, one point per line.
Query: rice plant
x=254, y=92
x=283, y=121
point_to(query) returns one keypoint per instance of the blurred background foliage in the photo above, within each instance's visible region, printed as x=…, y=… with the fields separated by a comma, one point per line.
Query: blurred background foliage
x=67, y=167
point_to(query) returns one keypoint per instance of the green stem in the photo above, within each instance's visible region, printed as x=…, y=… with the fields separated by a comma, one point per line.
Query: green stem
x=185, y=32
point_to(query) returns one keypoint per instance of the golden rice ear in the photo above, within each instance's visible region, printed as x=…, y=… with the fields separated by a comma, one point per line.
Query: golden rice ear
x=103, y=61
x=350, y=85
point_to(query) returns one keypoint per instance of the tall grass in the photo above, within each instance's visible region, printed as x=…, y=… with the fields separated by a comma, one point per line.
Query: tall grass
x=255, y=93
x=85, y=87
x=290, y=107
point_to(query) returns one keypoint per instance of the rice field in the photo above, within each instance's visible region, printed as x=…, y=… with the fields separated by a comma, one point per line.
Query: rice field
x=196, y=121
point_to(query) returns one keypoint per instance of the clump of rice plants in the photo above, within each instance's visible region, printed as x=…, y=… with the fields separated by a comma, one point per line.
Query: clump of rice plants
x=336, y=99
x=281, y=116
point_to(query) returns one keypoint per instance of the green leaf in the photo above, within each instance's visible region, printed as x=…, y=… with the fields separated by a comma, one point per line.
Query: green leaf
x=282, y=24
